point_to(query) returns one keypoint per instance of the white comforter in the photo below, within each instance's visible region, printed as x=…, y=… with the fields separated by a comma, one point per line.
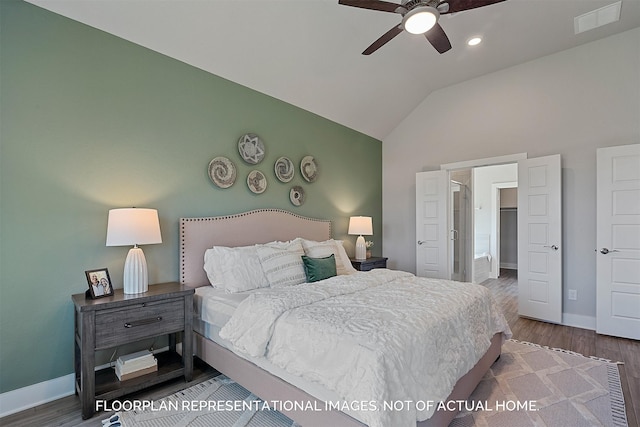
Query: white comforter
x=375, y=337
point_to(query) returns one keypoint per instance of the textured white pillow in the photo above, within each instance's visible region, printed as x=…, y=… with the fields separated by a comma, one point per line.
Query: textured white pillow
x=315, y=249
x=282, y=264
x=213, y=269
x=234, y=269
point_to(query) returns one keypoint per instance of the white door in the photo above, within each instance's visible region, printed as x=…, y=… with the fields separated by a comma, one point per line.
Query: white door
x=618, y=240
x=431, y=224
x=540, y=238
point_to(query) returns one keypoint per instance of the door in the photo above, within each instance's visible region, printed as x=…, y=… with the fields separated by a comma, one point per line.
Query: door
x=618, y=241
x=431, y=224
x=539, y=238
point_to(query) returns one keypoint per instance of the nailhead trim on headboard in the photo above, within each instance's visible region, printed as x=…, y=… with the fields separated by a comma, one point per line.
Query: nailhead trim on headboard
x=185, y=221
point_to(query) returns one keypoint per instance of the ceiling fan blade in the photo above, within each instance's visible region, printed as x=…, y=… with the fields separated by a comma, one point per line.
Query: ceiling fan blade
x=460, y=5
x=384, y=39
x=383, y=6
x=438, y=38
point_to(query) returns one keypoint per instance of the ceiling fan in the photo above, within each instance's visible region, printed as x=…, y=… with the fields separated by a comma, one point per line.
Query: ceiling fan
x=418, y=17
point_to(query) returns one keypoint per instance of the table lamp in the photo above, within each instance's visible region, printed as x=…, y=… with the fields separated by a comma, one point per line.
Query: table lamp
x=360, y=226
x=134, y=226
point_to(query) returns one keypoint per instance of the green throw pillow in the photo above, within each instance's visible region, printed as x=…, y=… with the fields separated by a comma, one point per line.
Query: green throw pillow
x=319, y=268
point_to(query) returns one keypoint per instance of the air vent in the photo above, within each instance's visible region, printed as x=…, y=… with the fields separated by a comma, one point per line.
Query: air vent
x=597, y=18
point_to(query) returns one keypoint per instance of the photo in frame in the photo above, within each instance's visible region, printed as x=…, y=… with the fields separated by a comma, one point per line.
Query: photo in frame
x=99, y=283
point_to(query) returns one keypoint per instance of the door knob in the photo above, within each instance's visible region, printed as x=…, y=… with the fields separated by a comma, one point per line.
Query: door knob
x=554, y=247
x=420, y=242
x=605, y=251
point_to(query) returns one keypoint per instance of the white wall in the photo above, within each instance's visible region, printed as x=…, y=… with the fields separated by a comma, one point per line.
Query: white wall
x=483, y=219
x=569, y=103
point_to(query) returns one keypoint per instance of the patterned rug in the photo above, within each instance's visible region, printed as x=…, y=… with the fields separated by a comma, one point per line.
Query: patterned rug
x=528, y=386
x=568, y=389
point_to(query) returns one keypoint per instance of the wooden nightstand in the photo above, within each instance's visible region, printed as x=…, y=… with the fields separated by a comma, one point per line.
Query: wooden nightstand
x=369, y=263
x=103, y=323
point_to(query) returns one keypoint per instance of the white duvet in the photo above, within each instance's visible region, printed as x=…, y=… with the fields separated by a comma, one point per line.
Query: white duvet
x=375, y=338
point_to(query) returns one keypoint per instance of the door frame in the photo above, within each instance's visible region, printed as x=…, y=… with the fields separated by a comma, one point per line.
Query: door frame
x=487, y=161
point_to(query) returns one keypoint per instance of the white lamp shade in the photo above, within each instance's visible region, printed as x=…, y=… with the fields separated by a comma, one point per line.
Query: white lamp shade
x=360, y=225
x=133, y=226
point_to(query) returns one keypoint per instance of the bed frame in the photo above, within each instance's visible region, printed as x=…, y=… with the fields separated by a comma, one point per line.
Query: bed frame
x=262, y=226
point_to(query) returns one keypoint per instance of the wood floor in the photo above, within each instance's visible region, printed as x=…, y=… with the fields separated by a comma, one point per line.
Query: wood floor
x=66, y=411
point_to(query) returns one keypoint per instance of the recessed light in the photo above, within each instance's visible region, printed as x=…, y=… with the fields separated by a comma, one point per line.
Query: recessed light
x=474, y=41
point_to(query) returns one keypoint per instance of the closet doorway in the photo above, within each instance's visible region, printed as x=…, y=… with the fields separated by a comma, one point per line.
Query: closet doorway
x=507, y=227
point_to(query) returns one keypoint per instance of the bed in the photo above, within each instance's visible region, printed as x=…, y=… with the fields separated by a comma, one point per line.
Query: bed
x=313, y=398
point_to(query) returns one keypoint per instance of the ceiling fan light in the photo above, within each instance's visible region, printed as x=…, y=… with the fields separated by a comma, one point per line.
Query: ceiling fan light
x=421, y=19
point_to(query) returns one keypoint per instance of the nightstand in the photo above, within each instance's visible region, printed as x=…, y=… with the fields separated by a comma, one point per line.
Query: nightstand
x=369, y=263
x=165, y=309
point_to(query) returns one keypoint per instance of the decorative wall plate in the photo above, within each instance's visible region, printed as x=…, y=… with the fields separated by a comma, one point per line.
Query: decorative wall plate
x=222, y=172
x=309, y=169
x=251, y=148
x=296, y=195
x=284, y=169
x=257, y=182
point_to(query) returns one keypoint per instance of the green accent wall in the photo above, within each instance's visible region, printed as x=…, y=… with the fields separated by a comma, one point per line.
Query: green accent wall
x=90, y=122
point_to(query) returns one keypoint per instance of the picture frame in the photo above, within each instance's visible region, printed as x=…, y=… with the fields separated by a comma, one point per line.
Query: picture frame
x=99, y=283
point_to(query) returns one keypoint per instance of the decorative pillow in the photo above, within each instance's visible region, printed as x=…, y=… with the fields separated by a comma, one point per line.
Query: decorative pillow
x=323, y=249
x=234, y=269
x=319, y=268
x=282, y=266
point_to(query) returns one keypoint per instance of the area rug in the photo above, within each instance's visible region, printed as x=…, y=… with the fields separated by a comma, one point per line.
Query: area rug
x=528, y=386
x=566, y=388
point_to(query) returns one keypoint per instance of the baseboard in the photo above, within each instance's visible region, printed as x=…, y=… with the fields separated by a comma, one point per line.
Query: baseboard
x=36, y=394
x=47, y=391
x=579, y=321
x=509, y=265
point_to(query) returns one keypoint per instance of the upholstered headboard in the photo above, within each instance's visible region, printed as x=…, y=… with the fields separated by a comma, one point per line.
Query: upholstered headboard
x=244, y=229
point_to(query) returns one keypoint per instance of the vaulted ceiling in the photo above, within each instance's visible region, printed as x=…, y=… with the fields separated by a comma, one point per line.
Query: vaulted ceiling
x=308, y=52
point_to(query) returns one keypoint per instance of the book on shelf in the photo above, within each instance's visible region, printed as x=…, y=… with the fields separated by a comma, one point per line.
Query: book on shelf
x=134, y=374
x=135, y=364
x=134, y=357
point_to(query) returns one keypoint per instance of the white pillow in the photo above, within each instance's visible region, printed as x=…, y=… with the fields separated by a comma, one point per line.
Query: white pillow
x=213, y=269
x=282, y=264
x=234, y=269
x=323, y=249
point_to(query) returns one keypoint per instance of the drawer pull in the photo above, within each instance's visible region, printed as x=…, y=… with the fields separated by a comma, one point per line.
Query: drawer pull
x=143, y=322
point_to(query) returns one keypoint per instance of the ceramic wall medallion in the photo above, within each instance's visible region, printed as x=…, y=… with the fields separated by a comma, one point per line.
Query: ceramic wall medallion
x=222, y=172
x=251, y=148
x=257, y=182
x=284, y=169
x=296, y=195
x=309, y=169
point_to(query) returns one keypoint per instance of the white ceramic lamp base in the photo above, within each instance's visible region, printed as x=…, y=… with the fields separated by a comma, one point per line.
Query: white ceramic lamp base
x=136, y=280
x=361, y=248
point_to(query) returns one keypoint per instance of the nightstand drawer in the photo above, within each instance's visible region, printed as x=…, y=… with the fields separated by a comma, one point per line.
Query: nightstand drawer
x=137, y=321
